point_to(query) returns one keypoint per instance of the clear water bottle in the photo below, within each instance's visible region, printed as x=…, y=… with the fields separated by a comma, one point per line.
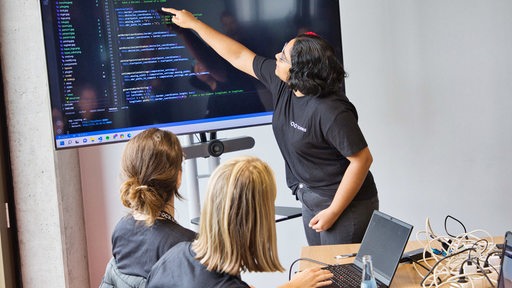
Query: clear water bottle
x=368, y=280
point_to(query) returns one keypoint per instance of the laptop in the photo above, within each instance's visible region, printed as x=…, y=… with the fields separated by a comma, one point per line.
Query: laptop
x=505, y=276
x=385, y=240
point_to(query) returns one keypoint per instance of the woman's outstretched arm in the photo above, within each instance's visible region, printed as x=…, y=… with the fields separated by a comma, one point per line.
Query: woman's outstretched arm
x=234, y=52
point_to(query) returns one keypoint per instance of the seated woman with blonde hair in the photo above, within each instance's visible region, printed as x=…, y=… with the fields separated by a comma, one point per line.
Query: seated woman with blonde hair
x=237, y=234
x=151, y=166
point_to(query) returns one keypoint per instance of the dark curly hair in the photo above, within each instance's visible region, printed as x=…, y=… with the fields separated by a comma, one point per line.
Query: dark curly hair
x=315, y=69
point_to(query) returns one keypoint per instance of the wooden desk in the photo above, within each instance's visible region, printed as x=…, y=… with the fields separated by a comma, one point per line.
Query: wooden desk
x=405, y=275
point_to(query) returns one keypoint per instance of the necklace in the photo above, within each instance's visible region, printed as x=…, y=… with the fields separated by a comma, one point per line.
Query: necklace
x=167, y=216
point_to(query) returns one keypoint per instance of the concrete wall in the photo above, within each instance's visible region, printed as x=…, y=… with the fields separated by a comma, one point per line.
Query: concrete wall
x=46, y=183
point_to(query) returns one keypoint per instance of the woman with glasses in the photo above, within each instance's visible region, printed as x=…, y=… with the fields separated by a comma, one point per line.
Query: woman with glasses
x=326, y=155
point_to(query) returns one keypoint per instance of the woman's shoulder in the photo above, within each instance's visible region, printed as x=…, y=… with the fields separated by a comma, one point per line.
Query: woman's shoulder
x=180, y=252
x=264, y=69
x=334, y=104
x=181, y=260
x=183, y=248
x=127, y=222
x=174, y=229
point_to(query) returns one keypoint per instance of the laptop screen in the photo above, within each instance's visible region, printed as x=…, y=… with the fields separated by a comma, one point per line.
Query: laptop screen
x=505, y=277
x=385, y=240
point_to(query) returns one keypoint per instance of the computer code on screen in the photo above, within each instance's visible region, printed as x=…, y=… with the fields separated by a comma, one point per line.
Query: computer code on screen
x=118, y=64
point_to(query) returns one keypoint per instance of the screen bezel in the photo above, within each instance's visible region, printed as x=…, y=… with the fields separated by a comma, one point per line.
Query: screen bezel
x=104, y=136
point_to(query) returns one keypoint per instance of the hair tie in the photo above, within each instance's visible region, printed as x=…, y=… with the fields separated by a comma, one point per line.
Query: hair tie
x=311, y=33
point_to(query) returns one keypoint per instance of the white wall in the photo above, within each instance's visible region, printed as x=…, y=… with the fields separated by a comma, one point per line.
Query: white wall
x=431, y=81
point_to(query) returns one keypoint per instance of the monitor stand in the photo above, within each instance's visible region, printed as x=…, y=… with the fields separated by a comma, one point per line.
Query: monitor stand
x=213, y=149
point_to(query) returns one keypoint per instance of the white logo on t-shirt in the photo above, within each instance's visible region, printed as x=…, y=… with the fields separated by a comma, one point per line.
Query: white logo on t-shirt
x=297, y=126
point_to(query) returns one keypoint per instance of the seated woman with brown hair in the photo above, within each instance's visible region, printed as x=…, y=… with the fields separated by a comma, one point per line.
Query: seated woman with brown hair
x=151, y=166
x=237, y=233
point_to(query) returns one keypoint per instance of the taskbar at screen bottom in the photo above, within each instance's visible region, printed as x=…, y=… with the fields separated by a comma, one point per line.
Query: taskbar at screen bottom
x=122, y=135
x=80, y=141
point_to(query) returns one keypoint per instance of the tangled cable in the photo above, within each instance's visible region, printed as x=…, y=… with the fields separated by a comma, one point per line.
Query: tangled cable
x=461, y=260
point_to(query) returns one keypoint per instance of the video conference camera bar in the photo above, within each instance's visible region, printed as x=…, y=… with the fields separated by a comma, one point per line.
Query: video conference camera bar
x=216, y=147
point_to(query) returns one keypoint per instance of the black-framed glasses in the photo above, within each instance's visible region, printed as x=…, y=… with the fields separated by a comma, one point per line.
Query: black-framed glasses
x=282, y=57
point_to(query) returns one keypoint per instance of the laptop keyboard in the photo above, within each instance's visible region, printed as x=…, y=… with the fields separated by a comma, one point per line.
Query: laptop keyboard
x=346, y=276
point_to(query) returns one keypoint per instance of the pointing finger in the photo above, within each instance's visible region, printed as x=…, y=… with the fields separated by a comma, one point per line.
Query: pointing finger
x=170, y=10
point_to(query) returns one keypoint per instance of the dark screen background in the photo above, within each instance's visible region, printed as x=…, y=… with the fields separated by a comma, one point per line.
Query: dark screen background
x=120, y=64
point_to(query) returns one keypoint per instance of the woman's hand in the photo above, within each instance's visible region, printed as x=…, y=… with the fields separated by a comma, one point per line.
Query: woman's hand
x=323, y=220
x=348, y=188
x=312, y=277
x=182, y=18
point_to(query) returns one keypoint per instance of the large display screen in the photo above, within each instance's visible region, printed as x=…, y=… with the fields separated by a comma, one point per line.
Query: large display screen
x=117, y=67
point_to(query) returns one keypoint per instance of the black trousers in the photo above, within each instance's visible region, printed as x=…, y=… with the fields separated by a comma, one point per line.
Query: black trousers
x=350, y=226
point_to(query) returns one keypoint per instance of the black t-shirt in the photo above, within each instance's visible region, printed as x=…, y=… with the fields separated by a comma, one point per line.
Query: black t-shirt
x=179, y=268
x=314, y=134
x=137, y=247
